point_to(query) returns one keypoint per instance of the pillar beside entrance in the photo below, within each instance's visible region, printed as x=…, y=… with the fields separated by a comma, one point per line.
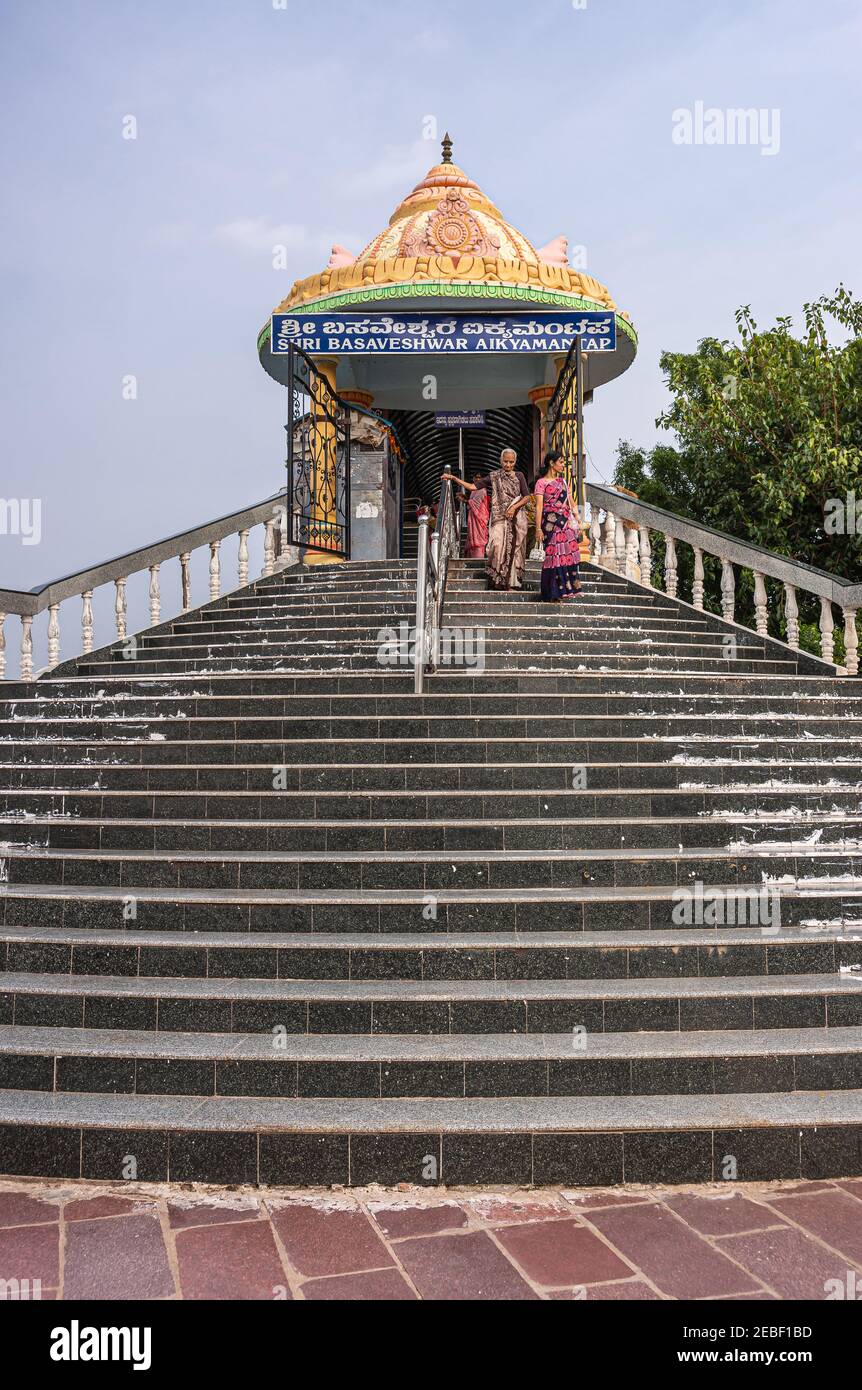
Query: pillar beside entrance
x=324, y=475
x=540, y=397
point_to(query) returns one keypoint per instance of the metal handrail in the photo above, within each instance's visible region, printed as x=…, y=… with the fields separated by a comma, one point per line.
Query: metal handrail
x=432, y=563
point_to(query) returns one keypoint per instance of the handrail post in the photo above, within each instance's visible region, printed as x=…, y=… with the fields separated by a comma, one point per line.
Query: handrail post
x=421, y=586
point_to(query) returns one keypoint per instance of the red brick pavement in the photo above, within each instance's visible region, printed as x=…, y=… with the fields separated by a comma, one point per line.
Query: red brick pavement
x=90, y=1241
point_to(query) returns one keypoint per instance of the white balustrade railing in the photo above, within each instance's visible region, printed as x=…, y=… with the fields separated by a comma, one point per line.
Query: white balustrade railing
x=27, y=605
x=620, y=528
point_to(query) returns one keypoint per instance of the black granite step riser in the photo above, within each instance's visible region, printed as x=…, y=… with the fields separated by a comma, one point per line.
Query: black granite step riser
x=622, y=665
x=598, y=579
x=587, y=609
x=163, y=1013
x=130, y=911
x=367, y=600
x=349, y=621
x=414, y=778
x=594, y=642
x=539, y=657
x=482, y=638
x=521, y=1157
x=241, y=664
x=843, y=692
x=376, y=753
x=574, y=836
x=62, y=1073
x=609, y=719
x=312, y=874
x=419, y=805
x=344, y=612
x=439, y=962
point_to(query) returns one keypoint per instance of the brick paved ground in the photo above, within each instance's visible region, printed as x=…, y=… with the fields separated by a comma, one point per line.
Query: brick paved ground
x=782, y=1240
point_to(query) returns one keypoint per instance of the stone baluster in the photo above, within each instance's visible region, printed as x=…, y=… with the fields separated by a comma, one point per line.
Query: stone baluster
x=609, y=549
x=155, y=596
x=645, y=560
x=27, y=648
x=827, y=630
x=697, y=582
x=283, y=555
x=2, y=646
x=761, y=609
x=120, y=607
x=632, y=542
x=186, y=579
x=87, y=621
x=669, y=566
x=53, y=635
x=791, y=613
x=728, y=591
x=851, y=642
x=620, y=546
x=242, y=559
x=596, y=538
x=215, y=570
x=269, y=546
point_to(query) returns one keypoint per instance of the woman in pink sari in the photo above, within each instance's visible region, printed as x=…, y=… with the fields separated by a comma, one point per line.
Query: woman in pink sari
x=478, y=512
x=558, y=528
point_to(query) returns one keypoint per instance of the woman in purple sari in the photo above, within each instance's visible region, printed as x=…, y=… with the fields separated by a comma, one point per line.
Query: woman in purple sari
x=558, y=527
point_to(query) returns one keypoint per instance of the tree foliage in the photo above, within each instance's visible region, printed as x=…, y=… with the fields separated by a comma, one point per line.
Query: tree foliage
x=769, y=443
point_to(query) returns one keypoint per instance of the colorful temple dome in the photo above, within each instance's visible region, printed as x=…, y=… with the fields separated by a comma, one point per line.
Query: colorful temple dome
x=446, y=239
x=448, y=249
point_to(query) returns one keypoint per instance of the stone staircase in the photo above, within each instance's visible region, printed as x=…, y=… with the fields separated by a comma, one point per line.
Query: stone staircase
x=271, y=917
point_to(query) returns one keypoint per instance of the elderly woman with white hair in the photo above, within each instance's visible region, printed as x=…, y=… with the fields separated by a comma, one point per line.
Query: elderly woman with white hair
x=507, y=522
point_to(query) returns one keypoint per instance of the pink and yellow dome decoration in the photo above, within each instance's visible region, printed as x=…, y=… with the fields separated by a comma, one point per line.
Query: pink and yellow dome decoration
x=446, y=240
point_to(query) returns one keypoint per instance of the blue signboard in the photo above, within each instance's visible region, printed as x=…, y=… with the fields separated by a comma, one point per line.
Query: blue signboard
x=459, y=419
x=544, y=331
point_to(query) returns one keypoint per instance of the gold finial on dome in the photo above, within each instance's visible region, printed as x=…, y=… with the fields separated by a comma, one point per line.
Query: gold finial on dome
x=447, y=149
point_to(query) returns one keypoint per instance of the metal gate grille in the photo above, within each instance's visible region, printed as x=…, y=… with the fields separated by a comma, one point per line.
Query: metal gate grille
x=566, y=420
x=318, y=461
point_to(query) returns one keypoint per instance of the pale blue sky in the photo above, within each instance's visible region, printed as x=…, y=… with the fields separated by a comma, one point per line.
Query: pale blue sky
x=303, y=125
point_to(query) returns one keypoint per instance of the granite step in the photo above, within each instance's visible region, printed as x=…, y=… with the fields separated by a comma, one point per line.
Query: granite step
x=419, y=778
x=430, y=916
x=576, y=1141
x=424, y=870
x=127, y=1062
x=778, y=796
x=736, y=831
x=134, y=950
x=583, y=1007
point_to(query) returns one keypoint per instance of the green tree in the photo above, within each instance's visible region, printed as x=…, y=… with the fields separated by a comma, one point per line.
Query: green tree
x=769, y=446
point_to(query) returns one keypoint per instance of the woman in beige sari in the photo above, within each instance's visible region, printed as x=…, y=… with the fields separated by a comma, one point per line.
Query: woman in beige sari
x=507, y=527
x=506, y=523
